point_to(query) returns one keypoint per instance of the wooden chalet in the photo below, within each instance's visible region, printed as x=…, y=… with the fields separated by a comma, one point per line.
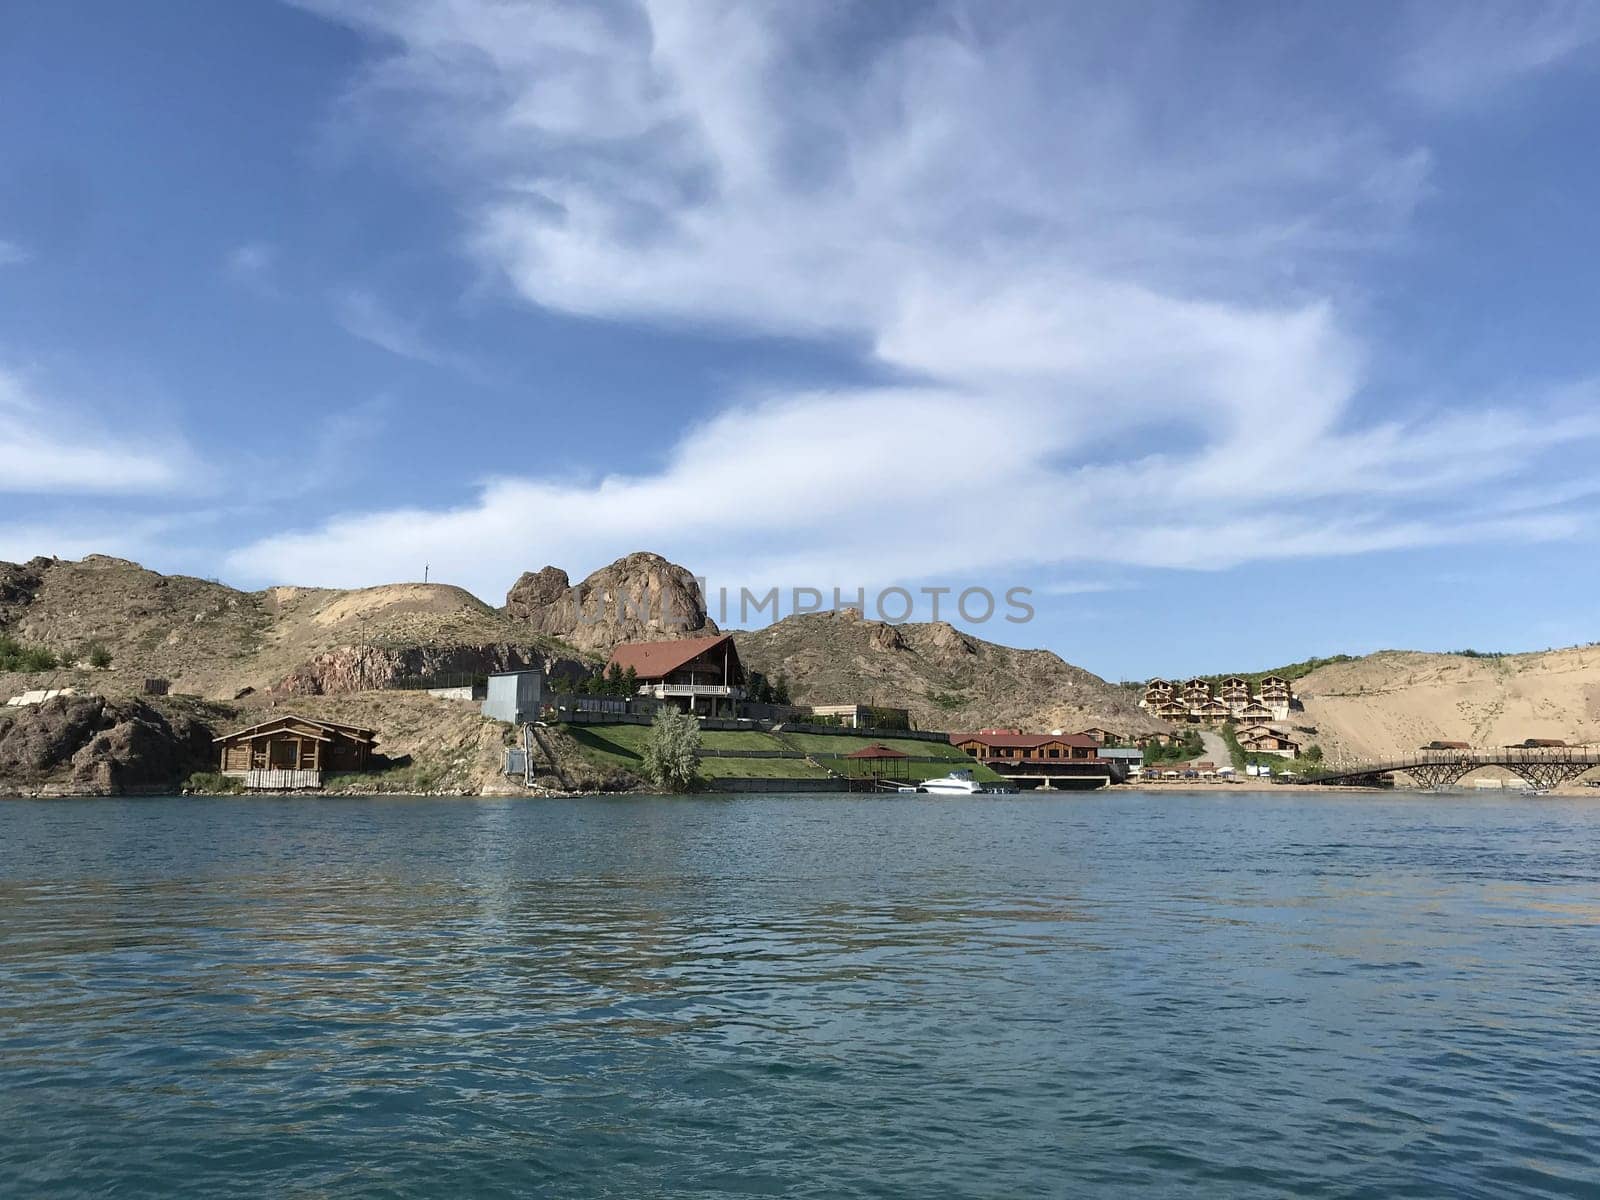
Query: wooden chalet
x=1175, y=711
x=291, y=751
x=699, y=675
x=1270, y=743
x=1276, y=687
x=989, y=745
x=1100, y=736
x=1235, y=690
x=1197, y=691
x=1252, y=711
x=1157, y=692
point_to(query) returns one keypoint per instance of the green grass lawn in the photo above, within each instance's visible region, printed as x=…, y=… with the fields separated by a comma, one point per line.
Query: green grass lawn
x=759, y=768
x=844, y=743
x=623, y=746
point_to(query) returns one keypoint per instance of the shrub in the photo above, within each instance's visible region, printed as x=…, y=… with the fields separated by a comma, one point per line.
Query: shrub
x=99, y=657
x=672, y=750
x=214, y=782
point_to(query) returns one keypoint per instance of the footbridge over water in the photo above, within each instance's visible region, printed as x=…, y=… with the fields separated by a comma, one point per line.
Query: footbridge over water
x=1441, y=768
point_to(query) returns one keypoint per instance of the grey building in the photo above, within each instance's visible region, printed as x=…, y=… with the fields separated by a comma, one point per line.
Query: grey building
x=515, y=696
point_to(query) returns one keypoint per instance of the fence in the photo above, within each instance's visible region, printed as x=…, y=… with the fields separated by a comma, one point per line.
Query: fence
x=426, y=683
x=282, y=780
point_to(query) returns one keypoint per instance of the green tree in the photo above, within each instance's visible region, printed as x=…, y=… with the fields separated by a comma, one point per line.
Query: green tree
x=780, y=690
x=630, y=682
x=614, y=684
x=672, y=750
x=99, y=657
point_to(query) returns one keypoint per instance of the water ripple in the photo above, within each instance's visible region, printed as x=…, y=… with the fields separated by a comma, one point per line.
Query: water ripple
x=1120, y=995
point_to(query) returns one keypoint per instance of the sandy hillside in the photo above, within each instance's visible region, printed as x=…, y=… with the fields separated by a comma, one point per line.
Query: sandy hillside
x=1387, y=705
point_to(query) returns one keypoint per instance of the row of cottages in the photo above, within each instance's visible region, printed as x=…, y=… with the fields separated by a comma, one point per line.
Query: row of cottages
x=303, y=746
x=700, y=675
x=1197, y=702
x=1012, y=745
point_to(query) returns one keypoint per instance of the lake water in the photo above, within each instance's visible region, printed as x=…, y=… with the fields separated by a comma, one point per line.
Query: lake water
x=1116, y=994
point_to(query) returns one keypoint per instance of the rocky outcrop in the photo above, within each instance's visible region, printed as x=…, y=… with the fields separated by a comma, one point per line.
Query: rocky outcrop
x=362, y=668
x=90, y=745
x=20, y=583
x=949, y=679
x=641, y=597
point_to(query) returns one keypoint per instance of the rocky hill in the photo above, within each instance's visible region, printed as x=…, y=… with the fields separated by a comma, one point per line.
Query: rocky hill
x=1388, y=704
x=949, y=679
x=639, y=598
x=214, y=641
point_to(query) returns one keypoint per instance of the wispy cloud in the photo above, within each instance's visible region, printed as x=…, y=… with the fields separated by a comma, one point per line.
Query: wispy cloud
x=1106, y=290
x=1463, y=53
x=253, y=265
x=11, y=253
x=364, y=315
x=50, y=447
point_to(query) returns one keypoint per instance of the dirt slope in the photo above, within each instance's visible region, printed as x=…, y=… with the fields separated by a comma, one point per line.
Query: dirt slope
x=949, y=679
x=215, y=641
x=1388, y=704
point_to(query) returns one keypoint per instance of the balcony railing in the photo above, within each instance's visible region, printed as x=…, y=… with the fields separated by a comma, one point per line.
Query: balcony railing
x=662, y=690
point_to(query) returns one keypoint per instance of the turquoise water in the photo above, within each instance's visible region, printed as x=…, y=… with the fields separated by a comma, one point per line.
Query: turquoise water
x=1108, y=995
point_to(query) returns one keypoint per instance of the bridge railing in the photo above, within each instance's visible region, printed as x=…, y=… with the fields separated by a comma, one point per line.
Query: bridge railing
x=1574, y=756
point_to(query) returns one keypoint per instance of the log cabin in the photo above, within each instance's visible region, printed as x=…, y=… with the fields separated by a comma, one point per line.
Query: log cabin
x=293, y=743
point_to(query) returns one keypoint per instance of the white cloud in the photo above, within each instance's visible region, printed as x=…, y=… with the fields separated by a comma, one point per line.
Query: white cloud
x=11, y=254
x=49, y=447
x=1102, y=290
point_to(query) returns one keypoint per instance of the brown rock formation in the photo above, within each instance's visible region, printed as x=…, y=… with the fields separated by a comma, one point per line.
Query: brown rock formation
x=88, y=744
x=639, y=598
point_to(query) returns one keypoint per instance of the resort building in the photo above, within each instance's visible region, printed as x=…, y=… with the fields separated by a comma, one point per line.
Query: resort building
x=1175, y=711
x=1157, y=692
x=1100, y=736
x=1268, y=742
x=1013, y=744
x=864, y=716
x=1277, y=695
x=1196, y=703
x=293, y=752
x=699, y=675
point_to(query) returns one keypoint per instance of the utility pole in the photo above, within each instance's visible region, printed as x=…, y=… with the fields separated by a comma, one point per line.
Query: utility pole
x=425, y=572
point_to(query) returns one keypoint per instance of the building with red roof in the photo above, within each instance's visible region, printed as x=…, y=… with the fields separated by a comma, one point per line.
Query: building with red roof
x=701, y=675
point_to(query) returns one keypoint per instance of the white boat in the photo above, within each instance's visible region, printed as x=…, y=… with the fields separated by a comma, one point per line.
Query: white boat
x=957, y=783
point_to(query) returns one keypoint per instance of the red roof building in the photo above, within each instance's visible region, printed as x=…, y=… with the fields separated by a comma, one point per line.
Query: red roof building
x=1012, y=745
x=700, y=675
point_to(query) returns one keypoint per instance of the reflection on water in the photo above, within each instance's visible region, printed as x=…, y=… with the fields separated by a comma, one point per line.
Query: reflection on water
x=1113, y=995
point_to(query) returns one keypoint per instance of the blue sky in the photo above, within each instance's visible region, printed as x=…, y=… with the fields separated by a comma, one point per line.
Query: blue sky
x=1238, y=333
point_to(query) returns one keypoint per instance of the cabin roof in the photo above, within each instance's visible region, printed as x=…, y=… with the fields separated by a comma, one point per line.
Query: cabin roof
x=1025, y=741
x=329, y=729
x=652, y=660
